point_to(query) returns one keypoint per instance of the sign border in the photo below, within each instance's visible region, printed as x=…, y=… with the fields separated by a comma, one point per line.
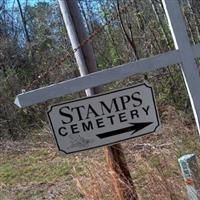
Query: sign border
x=102, y=94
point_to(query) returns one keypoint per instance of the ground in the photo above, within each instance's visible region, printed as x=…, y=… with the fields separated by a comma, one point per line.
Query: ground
x=33, y=168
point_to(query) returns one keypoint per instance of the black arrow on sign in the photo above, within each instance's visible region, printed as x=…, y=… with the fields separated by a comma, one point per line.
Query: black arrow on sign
x=135, y=128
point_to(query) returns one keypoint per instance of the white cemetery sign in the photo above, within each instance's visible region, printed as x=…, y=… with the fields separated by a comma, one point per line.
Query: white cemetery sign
x=104, y=119
x=184, y=54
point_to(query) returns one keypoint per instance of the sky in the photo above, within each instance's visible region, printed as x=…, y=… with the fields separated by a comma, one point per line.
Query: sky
x=30, y=2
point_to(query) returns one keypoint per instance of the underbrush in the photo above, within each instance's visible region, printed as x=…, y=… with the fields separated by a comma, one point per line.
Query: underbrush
x=33, y=169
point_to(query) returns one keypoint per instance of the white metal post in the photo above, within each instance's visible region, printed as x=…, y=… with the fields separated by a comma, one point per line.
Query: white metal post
x=74, y=41
x=182, y=43
x=101, y=77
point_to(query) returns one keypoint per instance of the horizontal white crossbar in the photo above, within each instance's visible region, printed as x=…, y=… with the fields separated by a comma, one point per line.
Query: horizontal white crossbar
x=101, y=77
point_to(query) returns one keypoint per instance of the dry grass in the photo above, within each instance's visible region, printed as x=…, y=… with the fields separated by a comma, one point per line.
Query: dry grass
x=152, y=160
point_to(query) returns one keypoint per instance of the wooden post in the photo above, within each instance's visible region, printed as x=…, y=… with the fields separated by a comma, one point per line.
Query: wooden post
x=122, y=179
x=87, y=64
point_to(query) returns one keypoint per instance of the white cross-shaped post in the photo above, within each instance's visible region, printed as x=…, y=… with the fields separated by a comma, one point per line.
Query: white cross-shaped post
x=184, y=54
x=182, y=43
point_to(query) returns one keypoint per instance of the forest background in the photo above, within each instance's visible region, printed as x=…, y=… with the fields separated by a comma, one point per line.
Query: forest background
x=34, y=45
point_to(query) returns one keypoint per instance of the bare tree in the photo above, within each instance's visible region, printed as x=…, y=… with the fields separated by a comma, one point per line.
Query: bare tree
x=23, y=21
